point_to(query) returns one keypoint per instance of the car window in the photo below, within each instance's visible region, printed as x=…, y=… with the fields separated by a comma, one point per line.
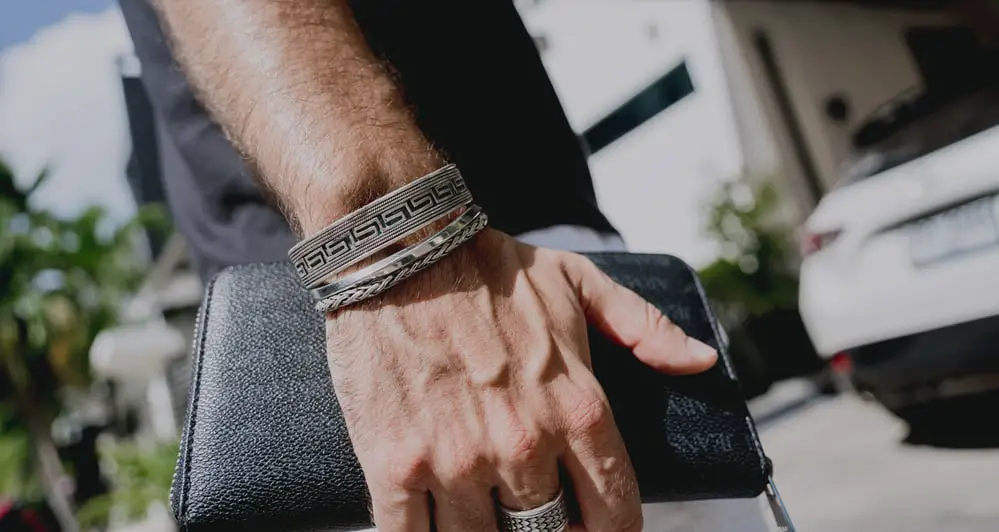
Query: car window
x=914, y=126
x=957, y=98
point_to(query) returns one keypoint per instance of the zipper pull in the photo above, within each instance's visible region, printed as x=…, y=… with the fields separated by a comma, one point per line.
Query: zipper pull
x=777, y=507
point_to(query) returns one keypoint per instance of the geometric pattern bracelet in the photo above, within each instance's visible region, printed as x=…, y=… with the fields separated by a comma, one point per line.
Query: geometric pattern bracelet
x=379, y=224
x=402, y=265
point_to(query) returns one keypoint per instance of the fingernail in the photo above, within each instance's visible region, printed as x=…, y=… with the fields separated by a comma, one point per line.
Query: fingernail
x=700, y=349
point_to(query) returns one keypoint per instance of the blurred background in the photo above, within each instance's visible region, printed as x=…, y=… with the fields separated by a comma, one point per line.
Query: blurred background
x=831, y=168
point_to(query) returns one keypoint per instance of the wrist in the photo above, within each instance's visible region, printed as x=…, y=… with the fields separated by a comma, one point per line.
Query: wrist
x=466, y=269
x=391, y=274
x=360, y=177
x=403, y=231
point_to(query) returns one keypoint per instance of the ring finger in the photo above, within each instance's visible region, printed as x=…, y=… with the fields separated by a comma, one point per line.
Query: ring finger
x=524, y=486
x=527, y=466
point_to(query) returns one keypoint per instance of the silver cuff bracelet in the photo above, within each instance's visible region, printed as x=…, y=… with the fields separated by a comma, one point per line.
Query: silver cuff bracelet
x=379, y=224
x=400, y=259
x=379, y=277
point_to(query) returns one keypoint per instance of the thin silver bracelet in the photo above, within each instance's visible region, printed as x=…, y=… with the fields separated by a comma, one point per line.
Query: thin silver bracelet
x=399, y=259
x=469, y=224
x=379, y=224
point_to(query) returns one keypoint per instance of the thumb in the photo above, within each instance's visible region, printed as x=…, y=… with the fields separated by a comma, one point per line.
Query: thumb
x=634, y=323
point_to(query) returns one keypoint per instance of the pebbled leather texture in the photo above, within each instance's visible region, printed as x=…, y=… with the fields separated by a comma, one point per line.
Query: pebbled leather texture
x=264, y=446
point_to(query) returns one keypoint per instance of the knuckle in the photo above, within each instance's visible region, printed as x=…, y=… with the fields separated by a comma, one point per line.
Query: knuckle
x=407, y=471
x=589, y=415
x=628, y=521
x=574, y=264
x=524, y=447
x=463, y=467
x=657, y=321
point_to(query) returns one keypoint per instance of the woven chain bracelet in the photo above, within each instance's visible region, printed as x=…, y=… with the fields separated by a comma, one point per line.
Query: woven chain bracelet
x=406, y=263
x=400, y=259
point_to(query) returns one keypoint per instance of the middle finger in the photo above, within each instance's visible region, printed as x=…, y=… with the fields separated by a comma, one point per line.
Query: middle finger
x=527, y=468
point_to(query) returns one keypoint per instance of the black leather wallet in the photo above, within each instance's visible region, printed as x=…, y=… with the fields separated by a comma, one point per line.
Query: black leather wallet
x=264, y=446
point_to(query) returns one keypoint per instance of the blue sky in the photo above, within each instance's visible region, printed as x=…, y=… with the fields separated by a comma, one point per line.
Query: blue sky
x=19, y=19
x=61, y=105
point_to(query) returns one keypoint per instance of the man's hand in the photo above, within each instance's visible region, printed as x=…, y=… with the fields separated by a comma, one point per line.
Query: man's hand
x=473, y=381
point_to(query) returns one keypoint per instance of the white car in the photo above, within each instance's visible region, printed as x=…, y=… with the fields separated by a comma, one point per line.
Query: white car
x=900, y=274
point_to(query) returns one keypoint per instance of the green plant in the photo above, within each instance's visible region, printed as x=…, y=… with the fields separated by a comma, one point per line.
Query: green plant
x=15, y=454
x=140, y=476
x=62, y=280
x=753, y=285
x=756, y=270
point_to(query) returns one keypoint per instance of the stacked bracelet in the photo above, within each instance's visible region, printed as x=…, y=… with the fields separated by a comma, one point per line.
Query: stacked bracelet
x=402, y=265
x=401, y=259
x=381, y=223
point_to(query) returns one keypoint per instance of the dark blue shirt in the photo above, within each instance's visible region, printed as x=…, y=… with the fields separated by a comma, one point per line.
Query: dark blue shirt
x=481, y=95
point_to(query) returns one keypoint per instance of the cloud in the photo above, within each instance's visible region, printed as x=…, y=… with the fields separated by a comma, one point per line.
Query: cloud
x=61, y=106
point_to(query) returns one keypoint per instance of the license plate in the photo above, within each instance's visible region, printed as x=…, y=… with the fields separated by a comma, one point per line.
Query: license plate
x=963, y=229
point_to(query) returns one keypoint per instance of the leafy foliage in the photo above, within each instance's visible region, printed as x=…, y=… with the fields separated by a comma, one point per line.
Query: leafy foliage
x=15, y=454
x=62, y=280
x=757, y=270
x=140, y=475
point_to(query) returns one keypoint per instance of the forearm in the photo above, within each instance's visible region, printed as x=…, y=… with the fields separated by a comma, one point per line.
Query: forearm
x=298, y=91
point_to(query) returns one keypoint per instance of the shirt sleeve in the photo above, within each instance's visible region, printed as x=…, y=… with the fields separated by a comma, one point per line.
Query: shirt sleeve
x=215, y=202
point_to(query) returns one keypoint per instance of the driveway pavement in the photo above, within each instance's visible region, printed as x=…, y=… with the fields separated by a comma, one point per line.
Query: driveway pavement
x=841, y=467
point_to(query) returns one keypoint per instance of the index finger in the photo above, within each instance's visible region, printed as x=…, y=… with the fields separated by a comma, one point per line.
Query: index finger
x=631, y=321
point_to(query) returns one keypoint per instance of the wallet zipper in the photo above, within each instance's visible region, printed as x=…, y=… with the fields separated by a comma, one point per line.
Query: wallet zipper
x=777, y=507
x=781, y=517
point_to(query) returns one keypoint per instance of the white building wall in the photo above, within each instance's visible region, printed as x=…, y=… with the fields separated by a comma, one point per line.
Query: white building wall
x=653, y=181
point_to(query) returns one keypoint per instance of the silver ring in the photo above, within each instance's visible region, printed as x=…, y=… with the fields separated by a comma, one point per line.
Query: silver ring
x=552, y=516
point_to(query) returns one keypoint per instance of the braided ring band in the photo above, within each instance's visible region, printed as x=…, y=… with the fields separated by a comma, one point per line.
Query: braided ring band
x=552, y=516
x=367, y=289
